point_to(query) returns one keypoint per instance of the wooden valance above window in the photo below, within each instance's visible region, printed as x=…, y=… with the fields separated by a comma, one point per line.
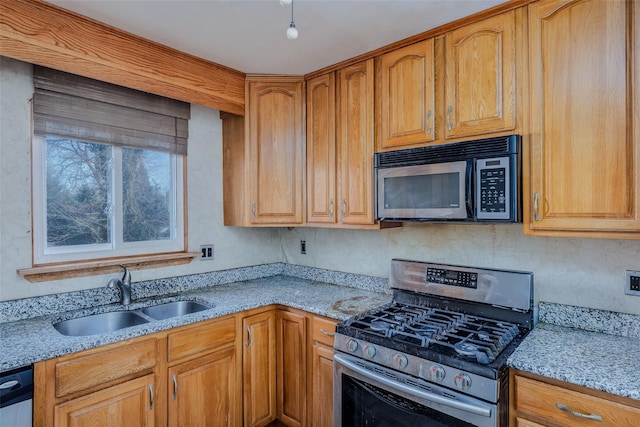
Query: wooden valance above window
x=71, y=106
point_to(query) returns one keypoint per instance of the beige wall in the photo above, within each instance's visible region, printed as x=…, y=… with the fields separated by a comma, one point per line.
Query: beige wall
x=584, y=272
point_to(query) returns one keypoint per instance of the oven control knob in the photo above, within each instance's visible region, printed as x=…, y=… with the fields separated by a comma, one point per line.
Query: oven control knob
x=352, y=345
x=462, y=381
x=368, y=351
x=436, y=373
x=400, y=361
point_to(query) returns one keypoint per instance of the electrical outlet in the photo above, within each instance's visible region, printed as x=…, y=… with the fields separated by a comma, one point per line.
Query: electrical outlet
x=632, y=283
x=207, y=252
x=303, y=247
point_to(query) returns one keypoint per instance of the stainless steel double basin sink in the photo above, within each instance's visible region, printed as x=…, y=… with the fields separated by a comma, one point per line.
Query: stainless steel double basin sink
x=112, y=321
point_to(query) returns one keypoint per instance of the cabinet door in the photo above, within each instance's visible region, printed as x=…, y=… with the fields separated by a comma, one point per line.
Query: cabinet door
x=321, y=149
x=259, y=369
x=321, y=399
x=585, y=136
x=407, y=96
x=202, y=393
x=480, y=77
x=276, y=152
x=292, y=362
x=129, y=404
x=355, y=142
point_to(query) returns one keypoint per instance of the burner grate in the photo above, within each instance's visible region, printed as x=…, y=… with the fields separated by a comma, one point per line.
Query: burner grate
x=466, y=336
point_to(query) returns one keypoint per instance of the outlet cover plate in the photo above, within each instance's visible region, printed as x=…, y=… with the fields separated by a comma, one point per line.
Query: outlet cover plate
x=632, y=283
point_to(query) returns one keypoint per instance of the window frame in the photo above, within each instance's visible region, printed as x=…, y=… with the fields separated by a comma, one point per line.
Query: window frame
x=117, y=248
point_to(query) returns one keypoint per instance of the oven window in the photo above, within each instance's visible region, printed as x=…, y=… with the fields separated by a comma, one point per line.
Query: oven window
x=366, y=405
x=430, y=191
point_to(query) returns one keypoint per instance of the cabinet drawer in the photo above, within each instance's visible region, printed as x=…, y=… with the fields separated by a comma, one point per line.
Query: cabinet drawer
x=540, y=399
x=323, y=330
x=201, y=339
x=104, y=366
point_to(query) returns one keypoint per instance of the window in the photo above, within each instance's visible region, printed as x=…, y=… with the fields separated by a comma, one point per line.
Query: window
x=107, y=169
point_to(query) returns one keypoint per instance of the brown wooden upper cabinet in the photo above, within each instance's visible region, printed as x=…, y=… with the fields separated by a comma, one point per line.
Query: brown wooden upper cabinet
x=322, y=174
x=585, y=119
x=407, y=96
x=264, y=155
x=340, y=147
x=453, y=87
x=480, y=85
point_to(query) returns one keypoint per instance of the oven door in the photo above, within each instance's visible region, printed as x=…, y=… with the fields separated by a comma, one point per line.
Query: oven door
x=438, y=191
x=366, y=394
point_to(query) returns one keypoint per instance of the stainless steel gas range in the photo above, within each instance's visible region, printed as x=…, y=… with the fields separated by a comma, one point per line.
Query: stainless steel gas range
x=436, y=355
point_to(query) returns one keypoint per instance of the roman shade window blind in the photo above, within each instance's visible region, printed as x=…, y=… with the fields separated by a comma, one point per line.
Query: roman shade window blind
x=79, y=108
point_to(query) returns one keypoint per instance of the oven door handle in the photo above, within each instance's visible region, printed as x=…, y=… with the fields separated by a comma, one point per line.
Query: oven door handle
x=463, y=406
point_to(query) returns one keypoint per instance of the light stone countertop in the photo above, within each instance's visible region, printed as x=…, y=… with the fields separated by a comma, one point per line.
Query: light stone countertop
x=28, y=341
x=605, y=357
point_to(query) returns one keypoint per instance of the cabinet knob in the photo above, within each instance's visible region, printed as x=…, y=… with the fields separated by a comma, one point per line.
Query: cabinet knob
x=449, y=110
x=253, y=208
x=429, y=130
x=331, y=208
x=536, y=217
x=343, y=208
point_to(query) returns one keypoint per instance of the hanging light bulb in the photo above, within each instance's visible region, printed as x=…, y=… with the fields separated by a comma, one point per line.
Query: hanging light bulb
x=292, y=32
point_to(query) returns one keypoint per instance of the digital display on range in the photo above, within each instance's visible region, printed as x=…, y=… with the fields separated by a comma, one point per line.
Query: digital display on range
x=451, y=277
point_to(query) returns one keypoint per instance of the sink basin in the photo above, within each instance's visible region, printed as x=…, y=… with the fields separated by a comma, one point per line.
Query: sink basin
x=174, y=309
x=99, y=323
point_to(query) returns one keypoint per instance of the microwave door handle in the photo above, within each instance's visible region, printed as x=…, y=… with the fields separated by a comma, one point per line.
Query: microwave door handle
x=469, y=190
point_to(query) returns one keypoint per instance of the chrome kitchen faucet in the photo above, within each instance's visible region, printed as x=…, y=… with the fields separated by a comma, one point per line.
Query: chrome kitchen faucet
x=123, y=284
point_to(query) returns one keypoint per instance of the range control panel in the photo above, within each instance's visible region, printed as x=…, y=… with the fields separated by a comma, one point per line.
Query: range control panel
x=451, y=277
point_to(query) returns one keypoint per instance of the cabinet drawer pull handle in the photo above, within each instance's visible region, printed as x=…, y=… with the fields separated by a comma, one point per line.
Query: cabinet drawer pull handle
x=429, y=122
x=329, y=334
x=248, y=336
x=449, y=110
x=150, y=397
x=536, y=217
x=578, y=414
x=330, y=208
x=175, y=388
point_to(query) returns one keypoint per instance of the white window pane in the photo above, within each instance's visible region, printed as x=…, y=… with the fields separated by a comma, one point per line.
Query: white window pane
x=147, y=195
x=78, y=188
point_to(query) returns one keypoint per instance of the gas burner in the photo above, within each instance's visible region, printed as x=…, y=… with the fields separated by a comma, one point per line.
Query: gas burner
x=465, y=349
x=380, y=326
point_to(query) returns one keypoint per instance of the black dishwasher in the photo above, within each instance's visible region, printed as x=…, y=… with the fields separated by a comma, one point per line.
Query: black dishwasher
x=16, y=396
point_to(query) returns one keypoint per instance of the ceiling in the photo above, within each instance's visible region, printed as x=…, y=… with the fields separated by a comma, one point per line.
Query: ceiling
x=249, y=35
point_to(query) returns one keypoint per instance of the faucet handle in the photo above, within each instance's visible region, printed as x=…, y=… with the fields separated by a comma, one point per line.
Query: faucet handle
x=126, y=276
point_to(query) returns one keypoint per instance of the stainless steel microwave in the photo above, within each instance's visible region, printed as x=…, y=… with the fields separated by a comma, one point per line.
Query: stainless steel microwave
x=465, y=181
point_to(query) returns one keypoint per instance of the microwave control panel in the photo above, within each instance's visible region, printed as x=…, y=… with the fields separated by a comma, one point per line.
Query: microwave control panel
x=492, y=192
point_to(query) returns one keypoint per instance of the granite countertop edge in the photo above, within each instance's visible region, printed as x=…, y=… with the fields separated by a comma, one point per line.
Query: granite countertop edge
x=597, y=358
x=28, y=341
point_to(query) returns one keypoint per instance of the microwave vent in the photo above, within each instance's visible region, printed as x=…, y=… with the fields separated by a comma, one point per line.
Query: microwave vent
x=437, y=153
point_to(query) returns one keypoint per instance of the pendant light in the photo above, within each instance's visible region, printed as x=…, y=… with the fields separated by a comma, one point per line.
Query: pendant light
x=292, y=32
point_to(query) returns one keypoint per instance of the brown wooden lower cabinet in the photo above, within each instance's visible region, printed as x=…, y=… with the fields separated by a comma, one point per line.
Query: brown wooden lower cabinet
x=220, y=372
x=321, y=368
x=259, y=367
x=292, y=367
x=127, y=404
x=185, y=376
x=543, y=402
